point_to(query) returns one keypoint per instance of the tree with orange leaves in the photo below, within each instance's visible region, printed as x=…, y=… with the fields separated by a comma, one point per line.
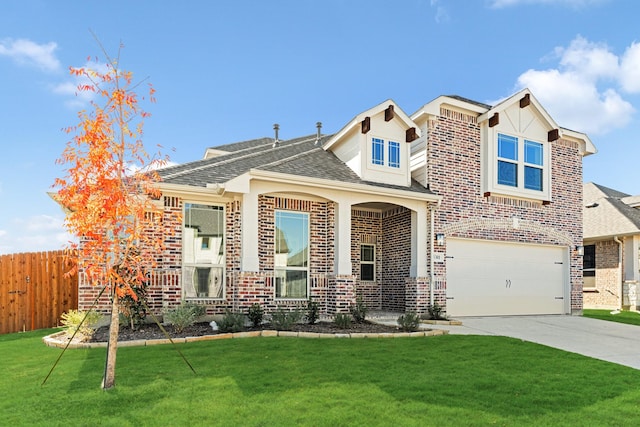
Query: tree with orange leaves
x=109, y=191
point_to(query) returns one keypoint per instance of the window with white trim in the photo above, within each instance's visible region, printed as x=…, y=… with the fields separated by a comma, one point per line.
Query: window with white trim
x=203, y=251
x=378, y=148
x=521, y=164
x=291, y=258
x=367, y=262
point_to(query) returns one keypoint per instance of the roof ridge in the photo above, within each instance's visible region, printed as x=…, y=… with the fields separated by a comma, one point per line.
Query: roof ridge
x=222, y=161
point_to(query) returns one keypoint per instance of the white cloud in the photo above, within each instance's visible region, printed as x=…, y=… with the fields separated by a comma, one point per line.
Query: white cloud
x=442, y=14
x=582, y=92
x=26, y=52
x=630, y=69
x=34, y=234
x=498, y=4
x=79, y=98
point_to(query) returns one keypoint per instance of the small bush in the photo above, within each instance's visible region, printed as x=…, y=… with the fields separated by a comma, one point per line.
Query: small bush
x=359, y=310
x=184, y=315
x=313, y=311
x=409, y=322
x=256, y=314
x=134, y=310
x=72, y=320
x=231, y=322
x=342, y=320
x=435, y=312
x=283, y=320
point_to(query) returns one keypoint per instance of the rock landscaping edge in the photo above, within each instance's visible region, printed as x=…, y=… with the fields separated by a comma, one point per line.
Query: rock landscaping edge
x=60, y=340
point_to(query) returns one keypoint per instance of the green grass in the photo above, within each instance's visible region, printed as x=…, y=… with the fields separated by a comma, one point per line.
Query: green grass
x=629, y=317
x=444, y=381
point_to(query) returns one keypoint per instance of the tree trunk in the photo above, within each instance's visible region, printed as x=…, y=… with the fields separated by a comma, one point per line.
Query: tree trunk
x=109, y=380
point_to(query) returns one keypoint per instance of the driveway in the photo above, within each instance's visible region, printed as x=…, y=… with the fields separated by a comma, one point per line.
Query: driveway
x=610, y=341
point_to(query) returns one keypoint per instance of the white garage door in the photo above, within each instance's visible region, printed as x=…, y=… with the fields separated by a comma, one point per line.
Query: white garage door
x=494, y=278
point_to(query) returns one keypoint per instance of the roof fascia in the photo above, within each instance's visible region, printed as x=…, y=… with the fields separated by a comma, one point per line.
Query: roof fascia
x=399, y=113
x=589, y=147
x=432, y=108
x=339, y=185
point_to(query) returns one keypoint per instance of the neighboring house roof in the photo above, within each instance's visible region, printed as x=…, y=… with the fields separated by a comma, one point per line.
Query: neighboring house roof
x=607, y=213
x=300, y=156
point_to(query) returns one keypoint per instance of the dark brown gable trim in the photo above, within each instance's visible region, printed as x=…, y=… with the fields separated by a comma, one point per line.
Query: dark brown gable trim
x=388, y=113
x=553, y=135
x=365, y=125
x=494, y=120
x=411, y=135
x=525, y=101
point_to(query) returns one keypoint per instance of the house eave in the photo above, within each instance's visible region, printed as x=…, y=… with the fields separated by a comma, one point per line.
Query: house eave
x=344, y=186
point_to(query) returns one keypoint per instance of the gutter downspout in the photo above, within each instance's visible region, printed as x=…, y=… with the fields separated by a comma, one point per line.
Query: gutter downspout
x=620, y=267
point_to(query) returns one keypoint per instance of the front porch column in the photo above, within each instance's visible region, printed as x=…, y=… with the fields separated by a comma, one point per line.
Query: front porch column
x=250, y=260
x=419, y=228
x=342, y=242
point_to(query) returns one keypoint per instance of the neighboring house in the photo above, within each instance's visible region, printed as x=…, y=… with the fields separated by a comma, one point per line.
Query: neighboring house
x=611, y=241
x=475, y=207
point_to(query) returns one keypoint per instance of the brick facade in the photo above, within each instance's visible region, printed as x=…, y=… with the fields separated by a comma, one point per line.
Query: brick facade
x=455, y=167
x=608, y=281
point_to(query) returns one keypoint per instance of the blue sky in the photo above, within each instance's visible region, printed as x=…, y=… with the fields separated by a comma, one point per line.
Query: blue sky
x=226, y=71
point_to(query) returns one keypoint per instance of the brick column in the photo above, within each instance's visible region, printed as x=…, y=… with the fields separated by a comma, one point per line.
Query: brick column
x=417, y=294
x=344, y=292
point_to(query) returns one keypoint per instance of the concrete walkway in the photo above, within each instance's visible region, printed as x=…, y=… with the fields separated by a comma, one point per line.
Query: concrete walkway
x=610, y=341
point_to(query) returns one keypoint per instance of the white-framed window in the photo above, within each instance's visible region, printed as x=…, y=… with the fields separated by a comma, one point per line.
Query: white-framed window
x=203, y=251
x=291, y=257
x=367, y=262
x=520, y=167
x=589, y=266
x=394, y=154
x=378, y=148
x=377, y=151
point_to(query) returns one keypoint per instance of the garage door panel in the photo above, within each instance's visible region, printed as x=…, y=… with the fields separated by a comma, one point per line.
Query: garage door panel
x=491, y=278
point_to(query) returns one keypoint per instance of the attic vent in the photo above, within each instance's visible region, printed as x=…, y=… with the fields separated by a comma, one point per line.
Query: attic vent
x=319, y=127
x=276, y=128
x=592, y=205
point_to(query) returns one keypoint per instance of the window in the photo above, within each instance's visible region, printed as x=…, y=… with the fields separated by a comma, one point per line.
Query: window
x=589, y=266
x=203, y=251
x=291, y=260
x=520, y=163
x=367, y=262
x=394, y=154
x=377, y=151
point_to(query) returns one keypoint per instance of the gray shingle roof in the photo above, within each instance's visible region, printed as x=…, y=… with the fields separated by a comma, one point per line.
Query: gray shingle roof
x=299, y=156
x=607, y=215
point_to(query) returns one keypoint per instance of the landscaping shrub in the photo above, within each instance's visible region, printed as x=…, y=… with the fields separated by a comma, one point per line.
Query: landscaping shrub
x=313, y=311
x=231, y=322
x=435, y=312
x=283, y=320
x=255, y=314
x=409, y=322
x=184, y=315
x=72, y=320
x=134, y=310
x=359, y=310
x=342, y=320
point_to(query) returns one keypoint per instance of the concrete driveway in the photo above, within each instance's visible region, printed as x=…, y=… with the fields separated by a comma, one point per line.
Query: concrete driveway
x=610, y=341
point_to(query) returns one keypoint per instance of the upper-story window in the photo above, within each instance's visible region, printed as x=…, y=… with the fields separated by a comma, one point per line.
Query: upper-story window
x=520, y=163
x=378, y=149
x=394, y=154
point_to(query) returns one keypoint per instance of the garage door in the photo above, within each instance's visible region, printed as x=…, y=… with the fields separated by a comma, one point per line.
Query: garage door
x=489, y=278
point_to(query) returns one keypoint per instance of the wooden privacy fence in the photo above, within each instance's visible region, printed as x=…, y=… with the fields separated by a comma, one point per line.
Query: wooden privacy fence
x=35, y=291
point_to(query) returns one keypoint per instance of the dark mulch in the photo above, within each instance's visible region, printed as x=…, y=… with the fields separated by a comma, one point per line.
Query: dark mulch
x=152, y=331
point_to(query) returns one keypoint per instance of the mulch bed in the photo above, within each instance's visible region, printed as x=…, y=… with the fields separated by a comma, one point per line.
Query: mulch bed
x=152, y=331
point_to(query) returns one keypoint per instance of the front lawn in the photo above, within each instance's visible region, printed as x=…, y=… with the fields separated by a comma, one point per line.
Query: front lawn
x=446, y=380
x=629, y=317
